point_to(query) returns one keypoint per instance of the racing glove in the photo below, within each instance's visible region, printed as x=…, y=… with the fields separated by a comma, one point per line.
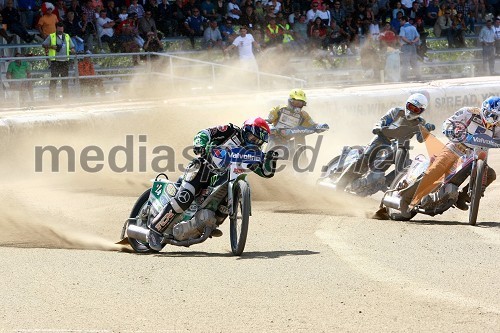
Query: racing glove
x=377, y=130
x=430, y=127
x=271, y=155
x=322, y=127
x=268, y=166
x=200, y=151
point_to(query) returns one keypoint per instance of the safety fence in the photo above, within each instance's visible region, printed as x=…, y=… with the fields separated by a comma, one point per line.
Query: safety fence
x=172, y=72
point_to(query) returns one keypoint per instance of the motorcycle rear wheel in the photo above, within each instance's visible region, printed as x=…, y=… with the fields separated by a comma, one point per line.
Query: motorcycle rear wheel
x=477, y=187
x=240, y=219
x=140, y=205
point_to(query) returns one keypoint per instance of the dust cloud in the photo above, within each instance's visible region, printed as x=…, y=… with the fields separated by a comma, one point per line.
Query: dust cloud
x=77, y=209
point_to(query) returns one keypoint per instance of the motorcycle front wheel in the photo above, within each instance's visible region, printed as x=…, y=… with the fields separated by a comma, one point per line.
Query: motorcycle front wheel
x=140, y=205
x=240, y=218
x=477, y=187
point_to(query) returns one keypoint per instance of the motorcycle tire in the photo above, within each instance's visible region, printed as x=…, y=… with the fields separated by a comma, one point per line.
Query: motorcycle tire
x=477, y=189
x=137, y=245
x=395, y=214
x=333, y=164
x=240, y=218
x=329, y=167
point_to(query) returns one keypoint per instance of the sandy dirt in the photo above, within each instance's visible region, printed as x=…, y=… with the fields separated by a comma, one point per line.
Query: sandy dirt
x=314, y=261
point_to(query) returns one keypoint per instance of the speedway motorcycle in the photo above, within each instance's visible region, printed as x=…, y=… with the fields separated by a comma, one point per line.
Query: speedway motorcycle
x=290, y=143
x=396, y=200
x=345, y=173
x=228, y=193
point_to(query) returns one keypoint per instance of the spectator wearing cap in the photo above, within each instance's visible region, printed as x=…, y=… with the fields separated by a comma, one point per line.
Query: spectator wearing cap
x=59, y=46
x=195, y=25
x=11, y=18
x=212, y=37
x=487, y=40
x=47, y=23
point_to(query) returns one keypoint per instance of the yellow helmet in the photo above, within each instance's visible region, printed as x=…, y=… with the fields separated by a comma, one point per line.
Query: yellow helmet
x=298, y=94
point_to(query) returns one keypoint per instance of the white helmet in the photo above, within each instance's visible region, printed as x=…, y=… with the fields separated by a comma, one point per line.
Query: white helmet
x=415, y=106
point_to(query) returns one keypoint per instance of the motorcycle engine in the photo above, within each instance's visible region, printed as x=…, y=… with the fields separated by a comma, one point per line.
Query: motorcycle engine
x=443, y=195
x=369, y=184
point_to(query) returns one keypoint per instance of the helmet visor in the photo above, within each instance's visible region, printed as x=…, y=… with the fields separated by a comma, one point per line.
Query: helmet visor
x=414, y=109
x=253, y=140
x=298, y=103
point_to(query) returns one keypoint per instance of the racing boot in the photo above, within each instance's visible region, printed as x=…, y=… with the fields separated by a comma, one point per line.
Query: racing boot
x=160, y=223
x=220, y=215
x=216, y=233
x=463, y=199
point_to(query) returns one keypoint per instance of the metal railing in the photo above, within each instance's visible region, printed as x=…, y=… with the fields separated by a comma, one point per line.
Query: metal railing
x=145, y=68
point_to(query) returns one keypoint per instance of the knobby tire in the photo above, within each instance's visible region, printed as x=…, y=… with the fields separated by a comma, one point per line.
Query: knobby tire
x=238, y=233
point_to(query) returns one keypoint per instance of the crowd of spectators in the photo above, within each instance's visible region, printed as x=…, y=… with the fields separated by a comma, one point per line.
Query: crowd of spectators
x=343, y=26
x=296, y=22
x=126, y=25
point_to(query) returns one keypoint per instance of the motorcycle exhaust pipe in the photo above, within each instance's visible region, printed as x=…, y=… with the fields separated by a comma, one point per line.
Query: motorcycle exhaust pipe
x=392, y=202
x=136, y=232
x=328, y=184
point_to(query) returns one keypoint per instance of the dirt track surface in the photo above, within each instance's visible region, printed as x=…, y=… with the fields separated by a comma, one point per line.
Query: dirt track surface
x=314, y=262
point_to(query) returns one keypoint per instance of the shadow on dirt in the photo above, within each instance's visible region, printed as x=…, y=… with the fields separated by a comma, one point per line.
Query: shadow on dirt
x=245, y=255
x=436, y=222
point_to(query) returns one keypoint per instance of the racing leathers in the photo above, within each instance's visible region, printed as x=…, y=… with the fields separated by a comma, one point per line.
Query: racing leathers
x=465, y=121
x=284, y=117
x=394, y=118
x=198, y=176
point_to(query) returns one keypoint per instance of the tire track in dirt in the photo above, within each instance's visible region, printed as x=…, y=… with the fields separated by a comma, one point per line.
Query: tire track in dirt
x=377, y=272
